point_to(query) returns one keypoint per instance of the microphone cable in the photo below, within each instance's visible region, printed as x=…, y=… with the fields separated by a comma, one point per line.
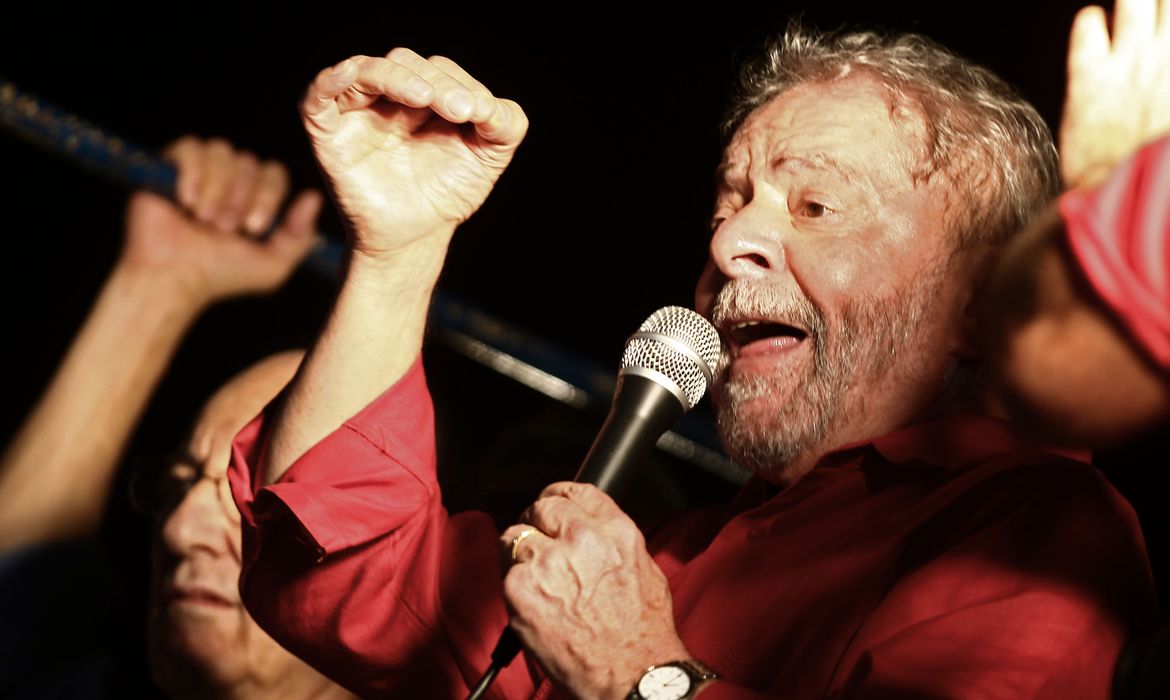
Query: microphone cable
x=506, y=650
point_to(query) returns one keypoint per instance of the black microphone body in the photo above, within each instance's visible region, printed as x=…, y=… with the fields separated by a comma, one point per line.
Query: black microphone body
x=642, y=410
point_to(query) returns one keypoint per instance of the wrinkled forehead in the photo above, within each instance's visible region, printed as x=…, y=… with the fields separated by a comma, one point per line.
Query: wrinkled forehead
x=855, y=122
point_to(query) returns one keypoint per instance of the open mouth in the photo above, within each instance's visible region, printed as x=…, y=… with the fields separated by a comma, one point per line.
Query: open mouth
x=745, y=333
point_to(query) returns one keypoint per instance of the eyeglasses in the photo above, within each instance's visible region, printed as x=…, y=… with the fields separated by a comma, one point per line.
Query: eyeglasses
x=158, y=483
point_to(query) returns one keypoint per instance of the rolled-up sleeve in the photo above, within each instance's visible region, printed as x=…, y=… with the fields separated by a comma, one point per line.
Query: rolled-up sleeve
x=352, y=563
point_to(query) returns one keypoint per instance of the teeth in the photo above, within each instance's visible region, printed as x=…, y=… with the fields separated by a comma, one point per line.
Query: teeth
x=742, y=331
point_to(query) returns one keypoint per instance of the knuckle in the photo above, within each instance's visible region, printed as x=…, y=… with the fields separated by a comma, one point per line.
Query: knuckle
x=247, y=160
x=359, y=62
x=515, y=113
x=322, y=77
x=542, y=510
x=183, y=145
x=593, y=494
x=558, y=489
x=627, y=536
x=575, y=489
x=275, y=173
x=578, y=533
x=554, y=489
x=514, y=108
x=307, y=103
x=398, y=71
x=401, y=53
x=234, y=208
x=513, y=586
x=218, y=145
x=552, y=563
x=637, y=539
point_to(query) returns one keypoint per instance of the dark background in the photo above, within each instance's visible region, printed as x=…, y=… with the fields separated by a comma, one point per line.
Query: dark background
x=600, y=220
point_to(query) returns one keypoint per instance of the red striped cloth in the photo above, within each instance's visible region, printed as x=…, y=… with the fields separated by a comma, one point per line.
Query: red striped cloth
x=1119, y=233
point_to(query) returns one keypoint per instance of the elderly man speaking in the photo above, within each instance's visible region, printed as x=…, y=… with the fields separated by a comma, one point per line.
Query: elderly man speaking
x=893, y=543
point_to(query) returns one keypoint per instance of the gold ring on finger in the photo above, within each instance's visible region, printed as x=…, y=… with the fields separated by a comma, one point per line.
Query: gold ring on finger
x=518, y=539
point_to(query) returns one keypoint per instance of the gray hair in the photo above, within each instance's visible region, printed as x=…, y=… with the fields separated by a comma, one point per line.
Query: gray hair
x=981, y=135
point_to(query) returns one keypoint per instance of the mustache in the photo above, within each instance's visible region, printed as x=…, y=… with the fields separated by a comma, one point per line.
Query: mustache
x=748, y=298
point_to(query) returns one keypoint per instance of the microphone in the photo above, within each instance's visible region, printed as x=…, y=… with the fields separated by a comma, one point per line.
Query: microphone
x=666, y=368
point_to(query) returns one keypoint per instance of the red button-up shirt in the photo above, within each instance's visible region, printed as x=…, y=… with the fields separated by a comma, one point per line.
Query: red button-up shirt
x=946, y=560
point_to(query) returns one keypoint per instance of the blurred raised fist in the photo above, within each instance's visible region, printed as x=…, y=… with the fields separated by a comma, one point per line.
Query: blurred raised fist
x=216, y=241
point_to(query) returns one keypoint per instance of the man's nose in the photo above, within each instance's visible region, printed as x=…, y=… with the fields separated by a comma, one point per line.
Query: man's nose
x=750, y=243
x=197, y=522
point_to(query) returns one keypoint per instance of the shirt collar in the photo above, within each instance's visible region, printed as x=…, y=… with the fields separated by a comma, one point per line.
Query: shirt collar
x=948, y=441
x=955, y=439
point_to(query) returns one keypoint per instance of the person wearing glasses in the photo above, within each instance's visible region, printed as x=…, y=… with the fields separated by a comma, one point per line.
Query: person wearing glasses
x=57, y=602
x=203, y=643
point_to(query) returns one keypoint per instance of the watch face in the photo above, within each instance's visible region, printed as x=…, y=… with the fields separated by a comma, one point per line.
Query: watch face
x=664, y=683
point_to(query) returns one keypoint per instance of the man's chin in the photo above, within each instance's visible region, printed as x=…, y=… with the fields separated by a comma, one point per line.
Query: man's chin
x=198, y=646
x=755, y=400
x=758, y=415
x=770, y=435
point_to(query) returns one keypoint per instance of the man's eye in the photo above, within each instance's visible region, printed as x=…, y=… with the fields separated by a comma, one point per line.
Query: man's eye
x=814, y=210
x=717, y=222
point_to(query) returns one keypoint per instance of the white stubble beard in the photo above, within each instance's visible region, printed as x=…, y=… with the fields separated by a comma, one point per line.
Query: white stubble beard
x=782, y=442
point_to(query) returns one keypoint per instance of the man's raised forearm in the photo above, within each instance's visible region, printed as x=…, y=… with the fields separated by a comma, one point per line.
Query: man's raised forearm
x=411, y=147
x=371, y=339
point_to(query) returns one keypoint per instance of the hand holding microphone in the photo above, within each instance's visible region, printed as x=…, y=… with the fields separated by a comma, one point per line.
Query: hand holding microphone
x=585, y=596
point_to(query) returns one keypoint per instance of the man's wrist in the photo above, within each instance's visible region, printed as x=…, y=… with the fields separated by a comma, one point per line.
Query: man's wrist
x=680, y=679
x=426, y=246
x=140, y=287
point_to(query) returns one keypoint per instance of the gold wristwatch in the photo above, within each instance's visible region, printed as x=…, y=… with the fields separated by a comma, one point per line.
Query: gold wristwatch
x=674, y=680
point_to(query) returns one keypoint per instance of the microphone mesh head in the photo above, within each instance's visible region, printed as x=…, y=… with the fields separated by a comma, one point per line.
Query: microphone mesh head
x=685, y=369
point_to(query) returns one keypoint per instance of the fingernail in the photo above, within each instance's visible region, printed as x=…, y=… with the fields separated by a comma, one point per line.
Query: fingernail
x=419, y=88
x=344, y=68
x=254, y=222
x=459, y=104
